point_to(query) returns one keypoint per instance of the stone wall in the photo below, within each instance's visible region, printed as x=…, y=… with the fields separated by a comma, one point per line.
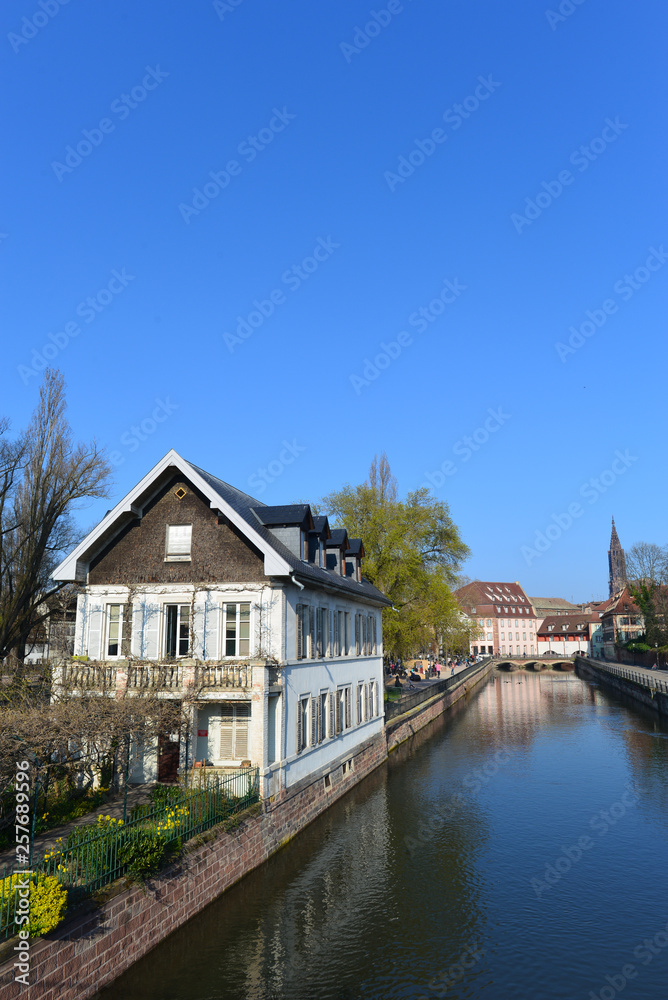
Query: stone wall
x=656, y=700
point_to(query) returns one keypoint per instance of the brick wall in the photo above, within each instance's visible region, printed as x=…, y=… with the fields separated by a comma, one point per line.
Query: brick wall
x=219, y=553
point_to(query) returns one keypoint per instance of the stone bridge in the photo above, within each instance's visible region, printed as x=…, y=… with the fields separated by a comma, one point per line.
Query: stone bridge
x=536, y=663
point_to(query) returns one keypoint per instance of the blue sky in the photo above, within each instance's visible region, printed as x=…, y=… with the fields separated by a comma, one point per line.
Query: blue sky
x=260, y=198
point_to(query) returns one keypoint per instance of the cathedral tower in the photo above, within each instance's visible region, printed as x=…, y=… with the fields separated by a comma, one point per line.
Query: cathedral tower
x=616, y=564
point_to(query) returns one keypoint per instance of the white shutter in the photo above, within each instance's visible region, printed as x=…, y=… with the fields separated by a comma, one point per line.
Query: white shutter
x=135, y=636
x=357, y=634
x=80, y=627
x=212, y=622
x=198, y=631
x=331, y=698
x=151, y=627
x=330, y=646
x=227, y=732
x=337, y=712
x=367, y=699
x=348, y=708
x=242, y=722
x=95, y=625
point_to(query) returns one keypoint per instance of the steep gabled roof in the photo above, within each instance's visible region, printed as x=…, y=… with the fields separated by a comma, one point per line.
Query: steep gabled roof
x=238, y=507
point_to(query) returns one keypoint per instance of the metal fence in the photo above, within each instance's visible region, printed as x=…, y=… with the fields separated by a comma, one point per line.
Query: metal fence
x=646, y=678
x=96, y=854
x=410, y=700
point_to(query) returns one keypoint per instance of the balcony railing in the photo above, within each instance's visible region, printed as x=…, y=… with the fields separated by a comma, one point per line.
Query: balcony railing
x=223, y=675
x=159, y=676
x=88, y=676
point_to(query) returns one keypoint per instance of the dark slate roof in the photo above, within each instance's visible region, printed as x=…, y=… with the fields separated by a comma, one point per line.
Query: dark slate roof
x=338, y=537
x=355, y=547
x=321, y=526
x=295, y=513
x=248, y=508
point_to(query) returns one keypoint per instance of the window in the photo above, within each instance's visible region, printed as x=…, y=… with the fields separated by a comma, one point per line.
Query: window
x=237, y=629
x=358, y=635
x=503, y=648
x=503, y=636
x=324, y=731
x=373, y=700
x=472, y=611
x=360, y=703
x=517, y=639
x=114, y=629
x=524, y=635
x=302, y=722
x=177, y=542
x=177, y=629
x=320, y=631
x=489, y=637
x=346, y=632
x=489, y=622
x=234, y=721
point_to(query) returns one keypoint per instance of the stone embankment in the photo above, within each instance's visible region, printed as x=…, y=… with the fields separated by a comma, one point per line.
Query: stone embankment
x=647, y=686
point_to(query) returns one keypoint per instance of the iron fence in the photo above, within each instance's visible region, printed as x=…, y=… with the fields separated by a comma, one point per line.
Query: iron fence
x=95, y=855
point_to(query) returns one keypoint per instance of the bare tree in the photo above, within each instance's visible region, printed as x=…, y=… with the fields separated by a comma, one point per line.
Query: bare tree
x=647, y=562
x=43, y=477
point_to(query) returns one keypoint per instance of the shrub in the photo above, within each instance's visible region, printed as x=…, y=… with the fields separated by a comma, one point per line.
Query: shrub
x=143, y=856
x=48, y=901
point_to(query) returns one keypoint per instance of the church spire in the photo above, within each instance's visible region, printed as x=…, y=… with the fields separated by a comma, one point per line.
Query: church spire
x=616, y=564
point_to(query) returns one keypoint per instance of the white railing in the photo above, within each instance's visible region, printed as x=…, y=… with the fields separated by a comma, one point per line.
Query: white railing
x=225, y=675
x=158, y=676
x=88, y=676
x=646, y=678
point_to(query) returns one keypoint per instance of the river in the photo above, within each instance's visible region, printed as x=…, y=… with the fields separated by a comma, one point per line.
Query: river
x=516, y=849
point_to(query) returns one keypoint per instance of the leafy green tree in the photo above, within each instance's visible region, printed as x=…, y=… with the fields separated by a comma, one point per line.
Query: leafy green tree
x=413, y=552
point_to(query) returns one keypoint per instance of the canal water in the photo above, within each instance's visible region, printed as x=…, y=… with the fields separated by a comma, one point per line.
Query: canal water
x=517, y=849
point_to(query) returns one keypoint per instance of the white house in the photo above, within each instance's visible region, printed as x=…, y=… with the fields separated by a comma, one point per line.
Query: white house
x=258, y=618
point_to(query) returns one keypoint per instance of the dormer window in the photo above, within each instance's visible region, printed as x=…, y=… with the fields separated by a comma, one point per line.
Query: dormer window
x=303, y=546
x=178, y=542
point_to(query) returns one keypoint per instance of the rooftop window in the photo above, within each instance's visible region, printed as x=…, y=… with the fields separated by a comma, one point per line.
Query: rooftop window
x=178, y=542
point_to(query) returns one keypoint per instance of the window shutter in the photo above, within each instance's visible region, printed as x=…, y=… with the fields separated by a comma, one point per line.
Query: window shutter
x=337, y=715
x=347, y=700
x=95, y=622
x=227, y=732
x=375, y=635
x=312, y=630
x=198, y=631
x=299, y=726
x=314, y=722
x=331, y=709
x=330, y=648
x=357, y=634
x=242, y=712
x=367, y=700
x=152, y=621
x=212, y=629
x=300, y=631
x=337, y=635
x=318, y=632
x=80, y=628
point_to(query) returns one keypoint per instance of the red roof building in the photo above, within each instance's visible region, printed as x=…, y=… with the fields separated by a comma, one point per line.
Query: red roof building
x=505, y=616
